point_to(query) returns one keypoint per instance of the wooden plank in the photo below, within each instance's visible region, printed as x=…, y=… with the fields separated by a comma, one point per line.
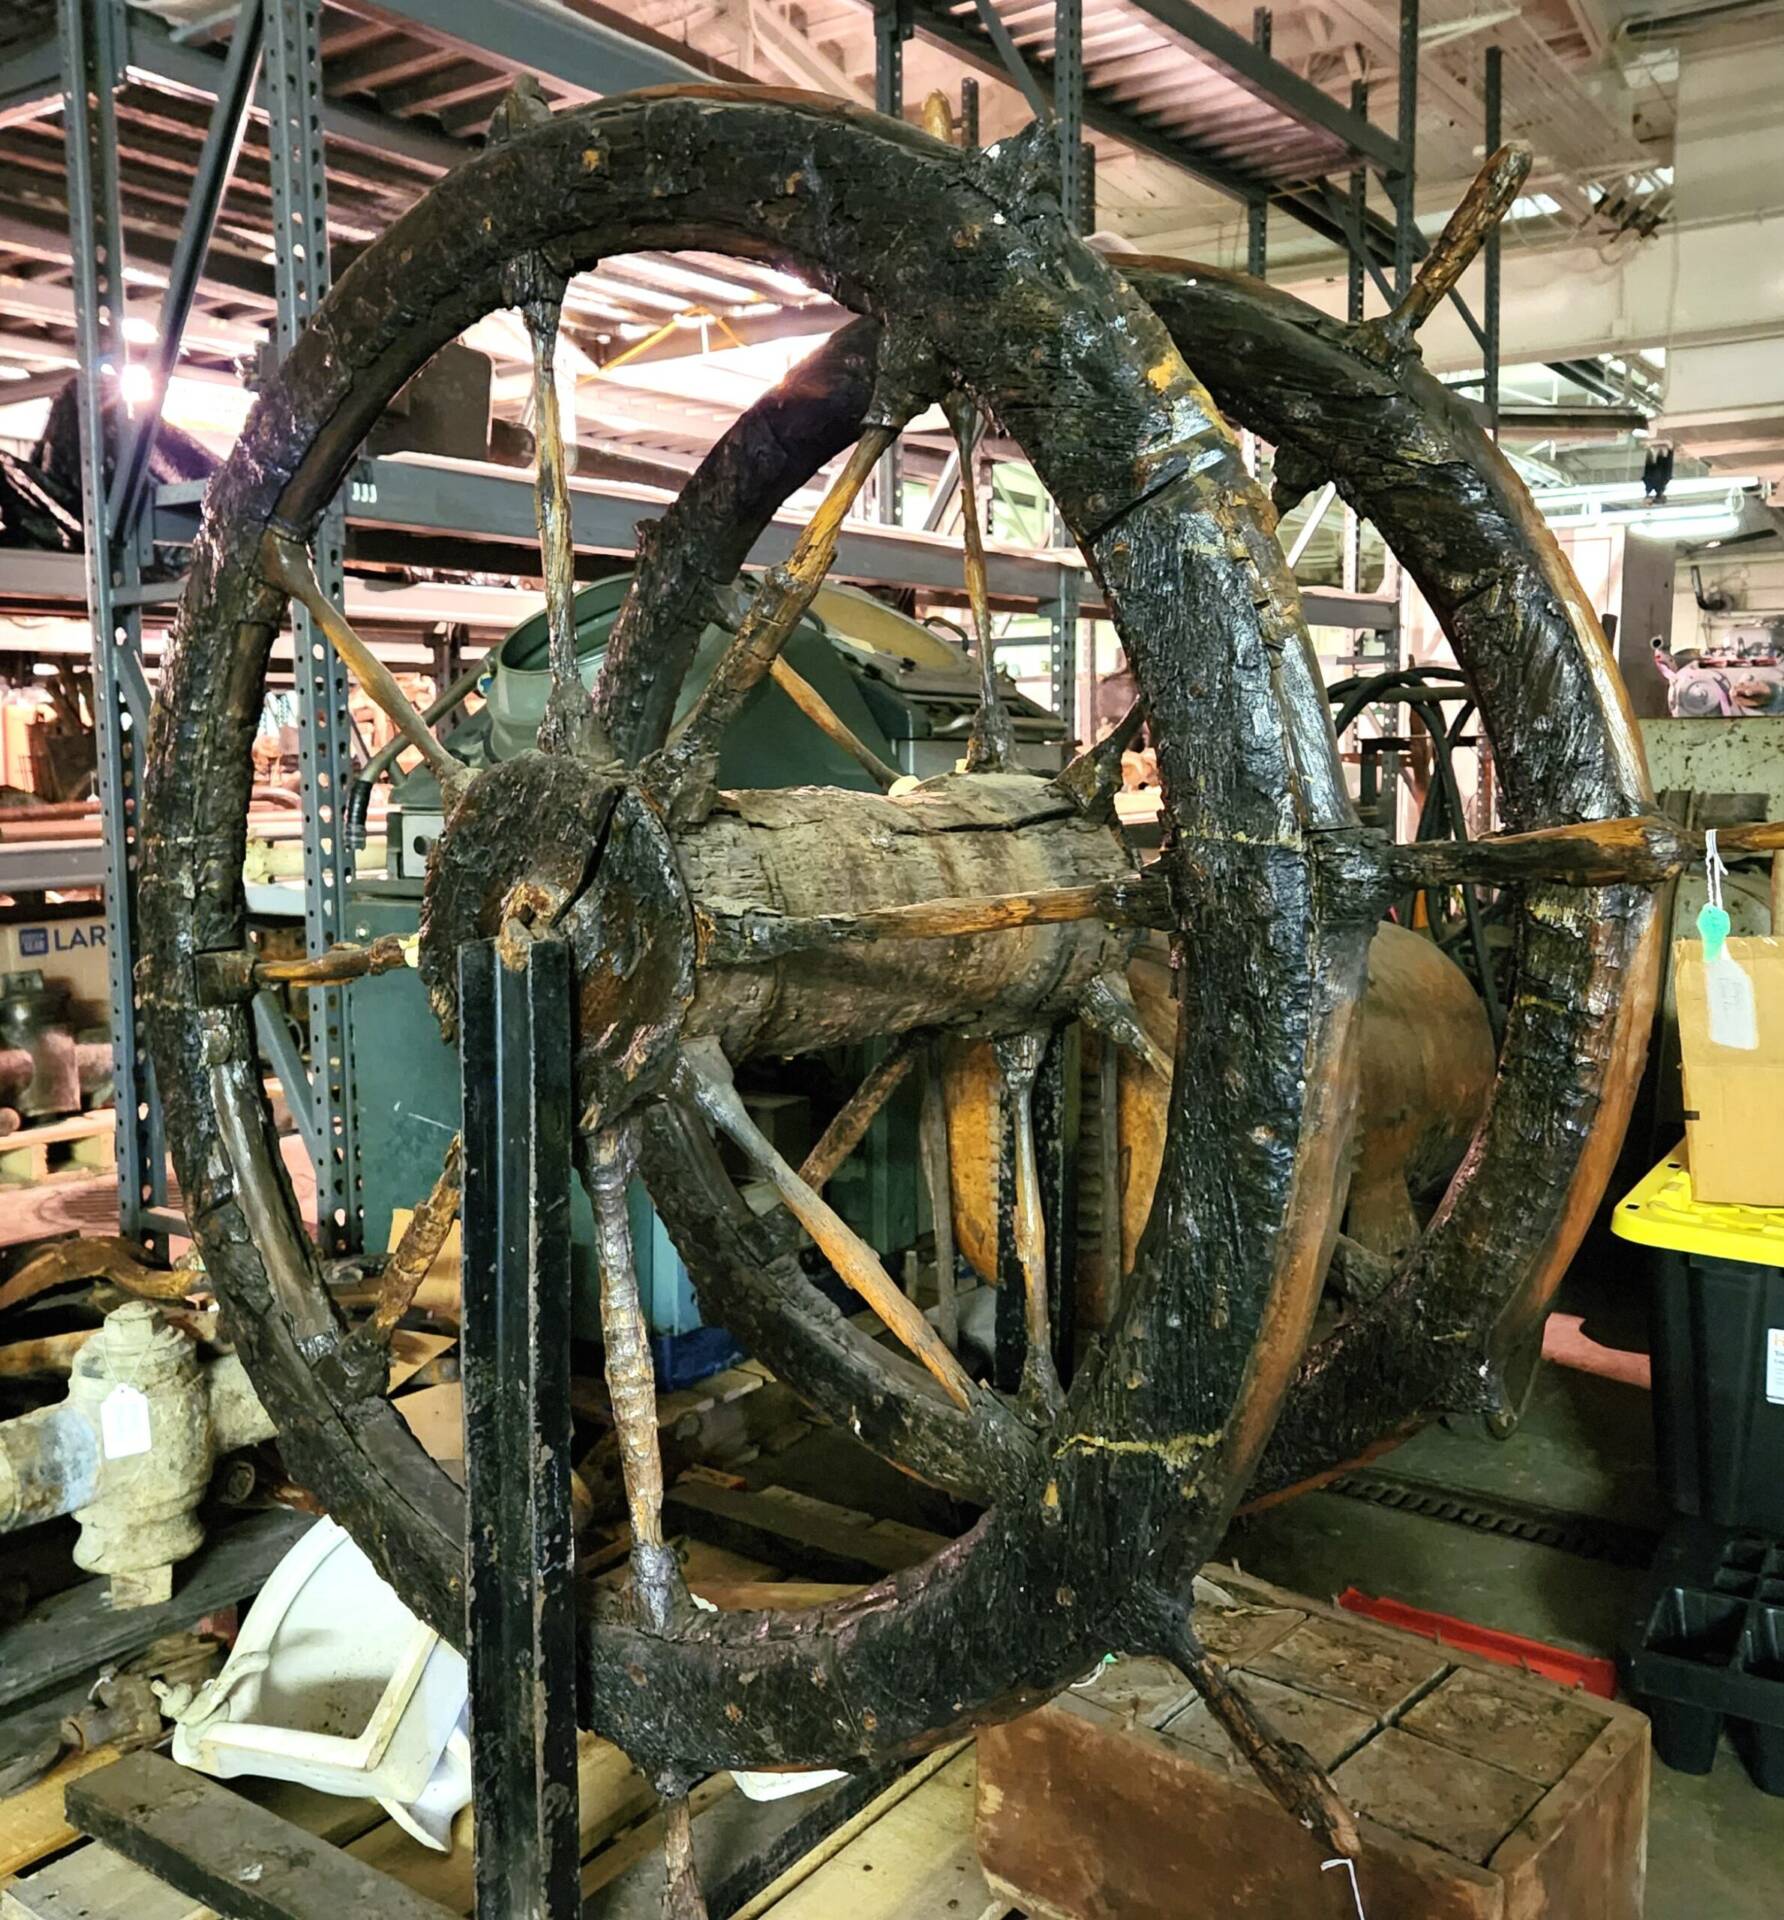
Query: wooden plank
x=916, y=1858
x=740, y=1847
x=901, y=1788
x=1463, y=1806
x=216, y=1846
x=436, y=1417
x=807, y=1536
x=94, y=1883
x=32, y=1823
x=1539, y=1736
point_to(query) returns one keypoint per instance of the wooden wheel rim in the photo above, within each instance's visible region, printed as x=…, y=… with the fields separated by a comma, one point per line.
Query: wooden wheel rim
x=1112, y=1509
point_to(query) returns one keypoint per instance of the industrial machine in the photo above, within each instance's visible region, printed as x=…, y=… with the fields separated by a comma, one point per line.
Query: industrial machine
x=908, y=691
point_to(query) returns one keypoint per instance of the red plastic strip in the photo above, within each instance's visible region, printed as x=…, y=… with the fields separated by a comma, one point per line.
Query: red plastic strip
x=1586, y=1671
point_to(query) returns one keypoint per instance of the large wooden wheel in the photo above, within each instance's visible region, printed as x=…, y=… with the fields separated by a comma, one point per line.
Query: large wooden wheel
x=707, y=928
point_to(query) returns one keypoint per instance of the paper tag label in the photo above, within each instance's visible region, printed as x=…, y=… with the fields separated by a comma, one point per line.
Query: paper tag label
x=1774, y=1366
x=1734, y=1014
x=124, y=1423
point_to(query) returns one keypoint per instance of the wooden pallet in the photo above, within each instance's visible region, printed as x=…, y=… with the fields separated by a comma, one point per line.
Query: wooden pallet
x=78, y=1147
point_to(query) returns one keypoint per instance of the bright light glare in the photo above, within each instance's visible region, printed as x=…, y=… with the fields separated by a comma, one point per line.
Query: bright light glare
x=140, y=330
x=136, y=383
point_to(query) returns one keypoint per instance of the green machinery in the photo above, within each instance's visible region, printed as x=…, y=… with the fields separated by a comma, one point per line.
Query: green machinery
x=907, y=690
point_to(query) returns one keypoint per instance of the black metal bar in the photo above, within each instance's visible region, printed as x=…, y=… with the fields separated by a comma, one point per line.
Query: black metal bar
x=1268, y=79
x=1359, y=210
x=1493, y=87
x=1257, y=215
x=1351, y=222
x=520, y=1555
x=1087, y=187
x=216, y=162
x=1406, y=170
x=969, y=111
x=1016, y=68
x=1068, y=104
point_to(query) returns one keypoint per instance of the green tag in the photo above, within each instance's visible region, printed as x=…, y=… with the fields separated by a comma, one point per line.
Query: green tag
x=1713, y=924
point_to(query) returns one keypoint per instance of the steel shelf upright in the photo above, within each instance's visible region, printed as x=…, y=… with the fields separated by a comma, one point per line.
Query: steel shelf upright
x=297, y=148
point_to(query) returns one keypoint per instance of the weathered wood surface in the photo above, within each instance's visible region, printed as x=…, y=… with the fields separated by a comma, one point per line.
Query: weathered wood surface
x=242, y=1858
x=1103, y=1512
x=1482, y=1794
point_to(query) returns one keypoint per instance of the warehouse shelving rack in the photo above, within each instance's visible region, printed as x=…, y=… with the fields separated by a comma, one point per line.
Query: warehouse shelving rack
x=274, y=65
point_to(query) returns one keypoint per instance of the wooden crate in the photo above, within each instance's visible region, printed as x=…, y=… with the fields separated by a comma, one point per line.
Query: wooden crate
x=1482, y=1794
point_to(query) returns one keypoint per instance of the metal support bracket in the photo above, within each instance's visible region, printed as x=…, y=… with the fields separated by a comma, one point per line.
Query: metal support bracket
x=520, y=1550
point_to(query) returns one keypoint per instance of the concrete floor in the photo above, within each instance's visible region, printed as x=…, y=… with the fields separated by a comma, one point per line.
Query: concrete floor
x=1716, y=1844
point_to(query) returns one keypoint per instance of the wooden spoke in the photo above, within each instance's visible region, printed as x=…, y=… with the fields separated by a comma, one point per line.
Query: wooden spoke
x=1480, y=210
x=709, y=1080
x=286, y=565
x=569, y=725
x=1291, y=1774
x=338, y=964
x=689, y=762
x=828, y=721
x=682, y=1898
x=608, y=1156
x=1108, y=1006
x=938, y=1175
x=419, y=1246
x=1019, y=1060
x=992, y=745
x=1093, y=779
x=844, y=1134
x=1644, y=849
x=750, y=938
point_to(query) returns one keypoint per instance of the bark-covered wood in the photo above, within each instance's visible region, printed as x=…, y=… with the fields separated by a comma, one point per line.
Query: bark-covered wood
x=1101, y=1513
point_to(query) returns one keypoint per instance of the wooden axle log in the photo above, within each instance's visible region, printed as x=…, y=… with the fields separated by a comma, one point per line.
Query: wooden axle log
x=850, y=916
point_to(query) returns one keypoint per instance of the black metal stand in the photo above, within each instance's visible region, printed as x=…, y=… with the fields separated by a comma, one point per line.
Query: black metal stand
x=515, y=1061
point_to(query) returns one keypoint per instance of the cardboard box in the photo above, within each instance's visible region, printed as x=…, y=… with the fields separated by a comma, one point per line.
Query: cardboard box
x=1734, y=1096
x=68, y=949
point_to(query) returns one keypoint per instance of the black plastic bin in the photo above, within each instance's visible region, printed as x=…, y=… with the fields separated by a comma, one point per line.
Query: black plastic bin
x=1718, y=1354
x=1707, y=1649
